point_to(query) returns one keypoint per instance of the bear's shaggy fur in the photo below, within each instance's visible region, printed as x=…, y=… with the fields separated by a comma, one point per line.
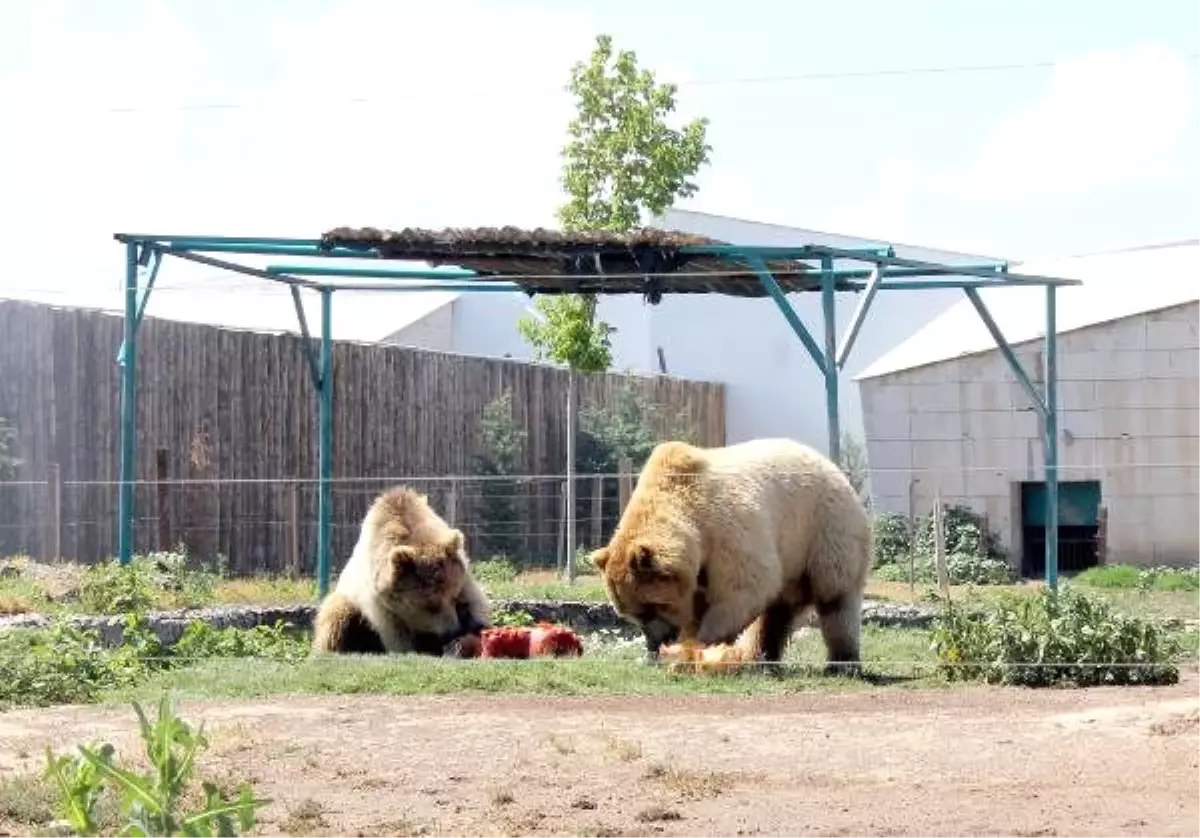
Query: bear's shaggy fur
x=407, y=586
x=731, y=545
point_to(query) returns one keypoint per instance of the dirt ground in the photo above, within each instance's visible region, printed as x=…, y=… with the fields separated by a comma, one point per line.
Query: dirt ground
x=979, y=761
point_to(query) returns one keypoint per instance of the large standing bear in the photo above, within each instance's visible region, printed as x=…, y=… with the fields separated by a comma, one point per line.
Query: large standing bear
x=407, y=586
x=732, y=544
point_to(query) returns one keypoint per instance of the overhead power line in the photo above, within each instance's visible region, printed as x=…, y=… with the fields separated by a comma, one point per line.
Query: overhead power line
x=795, y=78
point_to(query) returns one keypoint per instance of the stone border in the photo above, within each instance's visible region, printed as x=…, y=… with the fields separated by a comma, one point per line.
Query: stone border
x=581, y=616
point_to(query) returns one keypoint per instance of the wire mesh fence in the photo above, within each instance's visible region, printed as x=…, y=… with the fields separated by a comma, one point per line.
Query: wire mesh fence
x=270, y=526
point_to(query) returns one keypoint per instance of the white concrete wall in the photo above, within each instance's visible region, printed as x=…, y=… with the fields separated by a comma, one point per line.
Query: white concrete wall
x=1128, y=402
x=772, y=386
x=433, y=331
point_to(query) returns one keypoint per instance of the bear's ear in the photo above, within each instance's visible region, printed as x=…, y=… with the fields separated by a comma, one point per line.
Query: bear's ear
x=600, y=558
x=402, y=557
x=643, y=562
x=453, y=544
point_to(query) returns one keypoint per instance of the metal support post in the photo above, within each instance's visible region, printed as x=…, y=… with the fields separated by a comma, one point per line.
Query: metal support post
x=127, y=359
x=325, y=453
x=829, y=309
x=1051, y=439
x=569, y=517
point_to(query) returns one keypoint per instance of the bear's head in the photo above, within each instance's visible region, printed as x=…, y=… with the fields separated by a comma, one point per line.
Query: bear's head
x=649, y=586
x=421, y=582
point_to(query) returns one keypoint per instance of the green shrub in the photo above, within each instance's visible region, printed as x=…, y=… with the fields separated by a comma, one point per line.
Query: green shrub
x=112, y=588
x=892, y=538
x=963, y=570
x=973, y=554
x=497, y=569
x=201, y=640
x=511, y=617
x=1056, y=637
x=67, y=664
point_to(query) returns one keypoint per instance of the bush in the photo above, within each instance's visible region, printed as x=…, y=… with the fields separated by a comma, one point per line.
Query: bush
x=112, y=588
x=1056, y=637
x=502, y=443
x=973, y=553
x=497, y=569
x=67, y=664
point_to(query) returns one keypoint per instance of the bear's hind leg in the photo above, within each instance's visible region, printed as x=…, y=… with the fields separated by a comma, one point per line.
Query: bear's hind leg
x=841, y=629
x=766, y=638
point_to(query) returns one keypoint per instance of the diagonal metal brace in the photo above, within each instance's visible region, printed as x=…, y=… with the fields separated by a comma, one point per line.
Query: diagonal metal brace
x=860, y=315
x=1006, y=350
x=310, y=351
x=789, y=314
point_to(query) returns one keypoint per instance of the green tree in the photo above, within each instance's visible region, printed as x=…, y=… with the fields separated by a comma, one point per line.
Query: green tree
x=622, y=159
x=502, y=443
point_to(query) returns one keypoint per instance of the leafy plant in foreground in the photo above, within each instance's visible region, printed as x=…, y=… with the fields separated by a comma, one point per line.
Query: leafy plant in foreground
x=1056, y=637
x=150, y=802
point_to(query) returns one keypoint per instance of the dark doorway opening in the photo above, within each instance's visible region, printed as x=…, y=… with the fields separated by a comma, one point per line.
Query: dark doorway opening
x=1078, y=527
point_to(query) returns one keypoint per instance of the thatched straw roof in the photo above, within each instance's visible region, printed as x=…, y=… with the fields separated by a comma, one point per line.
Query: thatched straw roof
x=644, y=261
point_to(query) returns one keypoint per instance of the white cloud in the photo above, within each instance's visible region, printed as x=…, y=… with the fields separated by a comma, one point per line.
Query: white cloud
x=427, y=148
x=1104, y=119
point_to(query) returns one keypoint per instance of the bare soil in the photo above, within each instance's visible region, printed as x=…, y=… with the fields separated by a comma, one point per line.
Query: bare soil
x=977, y=761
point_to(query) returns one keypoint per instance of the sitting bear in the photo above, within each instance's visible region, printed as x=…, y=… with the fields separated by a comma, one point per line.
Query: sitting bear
x=407, y=586
x=733, y=544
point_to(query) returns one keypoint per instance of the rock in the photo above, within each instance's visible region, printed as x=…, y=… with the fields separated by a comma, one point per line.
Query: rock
x=584, y=617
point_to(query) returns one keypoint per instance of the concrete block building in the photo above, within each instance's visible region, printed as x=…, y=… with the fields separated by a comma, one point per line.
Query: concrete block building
x=943, y=413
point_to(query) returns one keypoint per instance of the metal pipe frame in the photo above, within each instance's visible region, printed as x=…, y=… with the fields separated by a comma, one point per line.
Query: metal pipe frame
x=887, y=272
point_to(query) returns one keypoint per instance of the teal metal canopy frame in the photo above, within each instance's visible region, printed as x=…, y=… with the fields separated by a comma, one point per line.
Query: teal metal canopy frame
x=876, y=269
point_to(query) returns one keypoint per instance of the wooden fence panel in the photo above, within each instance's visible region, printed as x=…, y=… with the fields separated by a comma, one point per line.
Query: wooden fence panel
x=236, y=412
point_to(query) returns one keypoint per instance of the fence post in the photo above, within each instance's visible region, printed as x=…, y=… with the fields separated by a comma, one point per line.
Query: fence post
x=452, y=504
x=294, y=530
x=562, y=525
x=161, y=469
x=624, y=484
x=939, y=545
x=53, y=547
x=597, y=510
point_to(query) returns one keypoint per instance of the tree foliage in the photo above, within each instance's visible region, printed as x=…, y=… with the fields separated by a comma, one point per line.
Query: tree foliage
x=621, y=161
x=502, y=445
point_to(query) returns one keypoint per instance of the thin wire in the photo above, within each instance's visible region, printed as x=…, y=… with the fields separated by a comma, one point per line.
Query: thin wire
x=489, y=478
x=458, y=93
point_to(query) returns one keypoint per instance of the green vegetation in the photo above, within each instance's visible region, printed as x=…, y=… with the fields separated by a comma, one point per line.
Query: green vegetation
x=973, y=552
x=149, y=803
x=1140, y=578
x=502, y=442
x=622, y=160
x=65, y=663
x=1056, y=637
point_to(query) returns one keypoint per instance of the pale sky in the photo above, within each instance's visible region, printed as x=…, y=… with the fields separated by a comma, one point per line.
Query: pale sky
x=288, y=117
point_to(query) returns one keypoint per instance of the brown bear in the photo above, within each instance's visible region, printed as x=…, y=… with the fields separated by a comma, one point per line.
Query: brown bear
x=407, y=586
x=733, y=544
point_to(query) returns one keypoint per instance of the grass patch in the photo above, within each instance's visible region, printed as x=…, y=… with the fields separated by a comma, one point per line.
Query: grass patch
x=607, y=668
x=27, y=800
x=1141, y=578
x=306, y=818
x=691, y=785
